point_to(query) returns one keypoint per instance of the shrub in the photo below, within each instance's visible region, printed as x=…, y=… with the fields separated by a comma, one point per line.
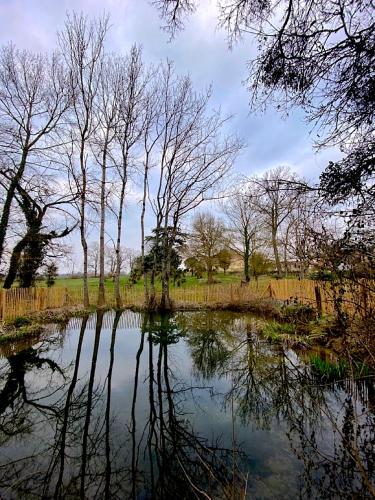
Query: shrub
x=322, y=275
x=297, y=312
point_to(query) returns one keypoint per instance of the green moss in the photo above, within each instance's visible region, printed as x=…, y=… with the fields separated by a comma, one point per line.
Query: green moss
x=62, y=316
x=18, y=322
x=30, y=330
x=81, y=313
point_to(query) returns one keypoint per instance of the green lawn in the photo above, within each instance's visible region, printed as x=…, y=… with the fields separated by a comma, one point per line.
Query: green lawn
x=189, y=281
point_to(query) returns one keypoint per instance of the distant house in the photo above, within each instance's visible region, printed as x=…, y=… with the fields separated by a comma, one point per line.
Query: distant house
x=236, y=266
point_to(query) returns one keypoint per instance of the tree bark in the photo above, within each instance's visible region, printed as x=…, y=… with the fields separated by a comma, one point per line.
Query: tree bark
x=82, y=227
x=165, y=303
x=14, y=262
x=209, y=274
x=4, y=221
x=286, y=243
x=101, y=296
x=274, y=242
x=145, y=283
x=276, y=253
x=246, y=257
x=118, y=247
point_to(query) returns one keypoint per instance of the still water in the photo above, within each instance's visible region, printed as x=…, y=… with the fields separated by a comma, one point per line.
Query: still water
x=194, y=405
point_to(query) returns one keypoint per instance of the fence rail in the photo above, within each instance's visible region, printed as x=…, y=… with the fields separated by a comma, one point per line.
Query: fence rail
x=22, y=301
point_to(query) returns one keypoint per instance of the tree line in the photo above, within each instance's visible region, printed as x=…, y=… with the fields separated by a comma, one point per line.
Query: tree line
x=318, y=56
x=81, y=125
x=76, y=128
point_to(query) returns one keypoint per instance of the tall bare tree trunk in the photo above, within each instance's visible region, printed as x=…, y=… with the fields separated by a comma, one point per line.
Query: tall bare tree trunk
x=274, y=242
x=286, y=243
x=145, y=277
x=165, y=303
x=82, y=228
x=209, y=275
x=276, y=252
x=246, y=257
x=4, y=221
x=118, y=249
x=152, y=295
x=81, y=43
x=101, y=296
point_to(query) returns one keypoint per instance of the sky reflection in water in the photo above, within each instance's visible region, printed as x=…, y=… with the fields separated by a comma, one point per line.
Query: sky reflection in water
x=193, y=405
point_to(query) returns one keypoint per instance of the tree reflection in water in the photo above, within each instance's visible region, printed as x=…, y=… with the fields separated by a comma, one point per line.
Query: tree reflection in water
x=181, y=463
x=331, y=432
x=119, y=415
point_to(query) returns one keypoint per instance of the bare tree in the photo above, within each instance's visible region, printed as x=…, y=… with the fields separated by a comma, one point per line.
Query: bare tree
x=275, y=200
x=319, y=56
x=193, y=159
x=129, y=255
x=82, y=43
x=173, y=12
x=110, y=260
x=93, y=257
x=125, y=255
x=34, y=96
x=151, y=136
x=307, y=216
x=130, y=129
x=37, y=203
x=335, y=41
x=207, y=240
x=245, y=224
x=106, y=113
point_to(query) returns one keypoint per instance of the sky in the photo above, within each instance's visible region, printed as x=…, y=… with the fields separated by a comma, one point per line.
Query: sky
x=201, y=51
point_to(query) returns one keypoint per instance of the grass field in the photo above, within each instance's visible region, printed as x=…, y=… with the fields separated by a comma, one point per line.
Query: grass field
x=189, y=281
x=190, y=284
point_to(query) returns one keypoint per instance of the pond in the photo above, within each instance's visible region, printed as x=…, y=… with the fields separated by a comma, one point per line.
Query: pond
x=183, y=406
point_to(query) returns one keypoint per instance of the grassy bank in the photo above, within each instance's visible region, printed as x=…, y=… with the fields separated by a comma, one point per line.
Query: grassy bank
x=35, y=325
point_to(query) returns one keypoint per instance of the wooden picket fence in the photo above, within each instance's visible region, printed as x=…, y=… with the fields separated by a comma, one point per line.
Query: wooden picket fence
x=219, y=294
x=24, y=301
x=21, y=302
x=355, y=298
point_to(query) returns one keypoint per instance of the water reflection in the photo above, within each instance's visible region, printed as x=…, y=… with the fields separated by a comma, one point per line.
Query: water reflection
x=193, y=405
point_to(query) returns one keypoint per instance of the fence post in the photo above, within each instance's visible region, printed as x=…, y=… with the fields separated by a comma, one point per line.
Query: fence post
x=364, y=299
x=66, y=297
x=318, y=298
x=2, y=301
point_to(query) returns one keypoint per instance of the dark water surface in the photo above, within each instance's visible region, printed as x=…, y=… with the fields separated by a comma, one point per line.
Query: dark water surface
x=194, y=405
